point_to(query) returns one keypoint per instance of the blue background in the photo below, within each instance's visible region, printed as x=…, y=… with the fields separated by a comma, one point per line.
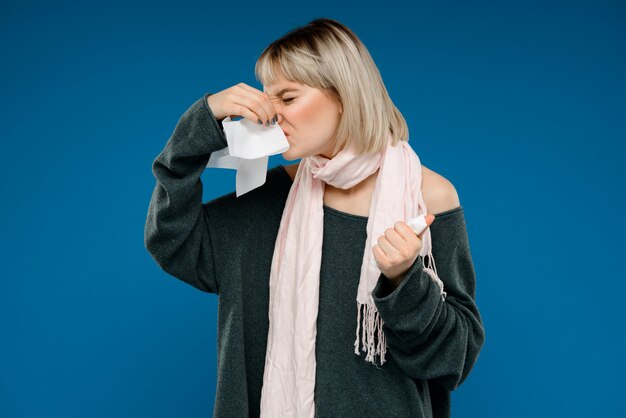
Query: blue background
x=520, y=104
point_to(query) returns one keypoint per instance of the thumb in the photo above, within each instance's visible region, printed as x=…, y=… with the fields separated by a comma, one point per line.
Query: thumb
x=429, y=220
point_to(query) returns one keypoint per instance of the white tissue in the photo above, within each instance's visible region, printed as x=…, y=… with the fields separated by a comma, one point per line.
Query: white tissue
x=248, y=151
x=418, y=224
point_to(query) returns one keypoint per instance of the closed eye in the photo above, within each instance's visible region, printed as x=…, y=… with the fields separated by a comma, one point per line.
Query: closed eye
x=288, y=100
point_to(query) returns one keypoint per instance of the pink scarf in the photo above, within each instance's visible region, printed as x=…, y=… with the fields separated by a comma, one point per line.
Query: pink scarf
x=289, y=376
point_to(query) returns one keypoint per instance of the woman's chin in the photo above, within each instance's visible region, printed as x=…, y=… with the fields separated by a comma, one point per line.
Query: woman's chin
x=290, y=155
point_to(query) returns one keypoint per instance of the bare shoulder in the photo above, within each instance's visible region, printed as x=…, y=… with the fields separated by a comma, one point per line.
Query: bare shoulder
x=292, y=169
x=439, y=193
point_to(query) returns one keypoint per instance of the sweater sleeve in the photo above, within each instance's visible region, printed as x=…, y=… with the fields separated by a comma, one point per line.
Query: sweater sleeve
x=176, y=232
x=430, y=338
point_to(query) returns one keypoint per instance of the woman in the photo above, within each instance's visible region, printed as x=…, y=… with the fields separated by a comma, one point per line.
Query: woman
x=319, y=265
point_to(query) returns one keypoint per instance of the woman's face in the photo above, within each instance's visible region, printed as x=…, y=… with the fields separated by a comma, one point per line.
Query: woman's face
x=308, y=116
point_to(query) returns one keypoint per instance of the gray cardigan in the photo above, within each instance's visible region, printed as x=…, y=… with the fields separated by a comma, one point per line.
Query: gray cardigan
x=225, y=246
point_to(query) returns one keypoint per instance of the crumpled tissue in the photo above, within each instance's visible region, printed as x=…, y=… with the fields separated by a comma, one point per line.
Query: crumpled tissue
x=248, y=151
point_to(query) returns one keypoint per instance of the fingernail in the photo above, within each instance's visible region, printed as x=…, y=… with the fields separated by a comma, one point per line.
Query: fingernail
x=267, y=123
x=260, y=122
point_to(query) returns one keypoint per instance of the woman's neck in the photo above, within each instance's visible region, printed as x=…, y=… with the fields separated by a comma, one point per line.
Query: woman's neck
x=365, y=186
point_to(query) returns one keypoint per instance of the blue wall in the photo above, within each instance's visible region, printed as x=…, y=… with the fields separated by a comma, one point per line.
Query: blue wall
x=521, y=105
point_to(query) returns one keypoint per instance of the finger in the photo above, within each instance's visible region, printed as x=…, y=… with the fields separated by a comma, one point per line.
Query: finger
x=412, y=242
x=380, y=256
x=264, y=99
x=270, y=106
x=387, y=248
x=261, y=104
x=395, y=239
x=241, y=110
x=249, y=108
x=405, y=231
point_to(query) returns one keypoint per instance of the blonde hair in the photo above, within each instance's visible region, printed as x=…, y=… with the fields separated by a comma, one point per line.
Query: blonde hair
x=326, y=55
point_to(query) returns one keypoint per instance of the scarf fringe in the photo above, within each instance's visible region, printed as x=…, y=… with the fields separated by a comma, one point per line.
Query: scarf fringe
x=373, y=323
x=372, y=327
x=432, y=272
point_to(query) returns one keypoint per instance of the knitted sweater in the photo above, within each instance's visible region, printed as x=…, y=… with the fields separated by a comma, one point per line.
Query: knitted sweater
x=225, y=246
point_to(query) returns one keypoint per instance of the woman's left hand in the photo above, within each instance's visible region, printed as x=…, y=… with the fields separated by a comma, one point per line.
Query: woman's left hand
x=398, y=249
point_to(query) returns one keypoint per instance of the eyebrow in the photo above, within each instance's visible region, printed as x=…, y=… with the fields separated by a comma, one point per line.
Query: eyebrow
x=280, y=93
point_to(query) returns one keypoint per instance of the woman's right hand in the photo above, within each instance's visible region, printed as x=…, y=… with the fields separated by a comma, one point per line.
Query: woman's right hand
x=243, y=100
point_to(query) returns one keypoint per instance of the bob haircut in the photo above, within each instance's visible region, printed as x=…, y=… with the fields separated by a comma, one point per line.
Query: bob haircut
x=326, y=55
